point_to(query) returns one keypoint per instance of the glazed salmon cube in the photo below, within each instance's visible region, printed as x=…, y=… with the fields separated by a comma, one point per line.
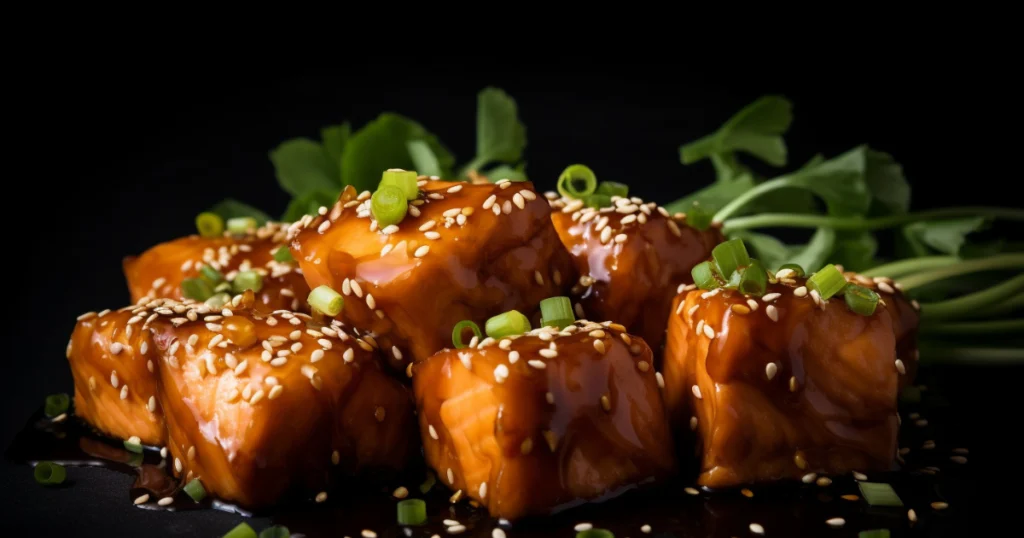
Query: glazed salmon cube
x=159, y=272
x=906, y=316
x=631, y=257
x=783, y=385
x=544, y=421
x=463, y=251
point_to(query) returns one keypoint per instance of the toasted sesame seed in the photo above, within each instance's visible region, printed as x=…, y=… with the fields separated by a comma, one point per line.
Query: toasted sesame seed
x=694, y=422
x=800, y=460
x=824, y=481
x=275, y=392
x=859, y=476
x=420, y=252
x=660, y=378
x=599, y=346
x=500, y=373
x=912, y=515
x=900, y=367
x=770, y=297
x=457, y=529
x=801, y=291
x=793, y=384
x=740, y=309
x=177, y=465
x=696, y=392
x=835, y=522
x=400, y=492
x=548, y=353
x=165, y=501
x=886, y=288
x=322, y=496
x=643, y=366
x=606, y=403
x=389, y=229
x=709, y=332
x=756, y=528
x=124, y=392
x=958, y=459
x=151, y=404
x=451, y=476
x=513, y=356
x=809, y=478
x=454, y=189
x=498, y=533
x=691, y=491
x=620, y=238
x=939, y=505
x=142, y=499
x=540, y=365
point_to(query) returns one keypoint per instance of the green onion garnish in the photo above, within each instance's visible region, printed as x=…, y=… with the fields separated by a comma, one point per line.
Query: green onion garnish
x=196, y=288
x=612, y=188
x=795, y=267
x=595, y=533
x=754, y=279
x=218, y=300
x=828, y=281
x=133, y=444
x=243, y=530
x=242, y=225
x=704, y=276
x=556, y=311
x=195, y=490
x=49, y=473
x=507, y=324
x=879, y=494
x=223, y=287
x=697, y=217
x=577, y=181
x=730, y=256
x=283, y=254
x=875, y=533
x=211, y=275
x=276, y=531
x=388, y=205
x=247, y=280
x=209, y=224
x=56, y=404
x=459, y=328
x=412, y=512
x=403, y=180
x=326, y=300
x=428, y=483
x=860, y=299
x=597, y=201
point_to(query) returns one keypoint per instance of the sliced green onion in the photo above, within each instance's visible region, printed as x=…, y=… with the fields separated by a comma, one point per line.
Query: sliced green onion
x=507, y=324
x=879, y=494
x=403, y=180
x=577, y=181
x=795, y=267
x=388, y=205
x=218, y=300
x=730, y=256
x=247, y=280
x=133, y=444
x=459, y=328
x=49, y=473
x=276, y=531
x=556, y=311
x=283, y=254
x=874, y=533
x=612, y=188
x=211, y=275
x=196, y=289
x=860, y=299
x=428, y=483
x=223, y=287
x=828, y=281
x=209, y=224
x=56, y=404
x=597, y=201
x=242, y=225
x=697, y=217
x=754, y=279
x=195, y=490
x=704, y=276
x=326, y=300
x=412, y=512
x=595, y=533
x=243, y=530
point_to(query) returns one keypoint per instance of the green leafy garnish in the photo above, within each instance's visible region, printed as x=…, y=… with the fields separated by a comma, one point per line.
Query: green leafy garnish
x=308, y=204
x=757, y=130
x=500, y=136
x=383, y=144
x=302, y=166
x=231, y=209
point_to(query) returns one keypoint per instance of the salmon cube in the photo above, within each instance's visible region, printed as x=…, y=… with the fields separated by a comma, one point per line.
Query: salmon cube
x=782, y=385
x=906, y=316
x=544, y=421
x=463, y=251
x=631, y=257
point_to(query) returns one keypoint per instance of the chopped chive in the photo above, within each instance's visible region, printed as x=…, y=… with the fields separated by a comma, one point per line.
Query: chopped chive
x=133, y=444
x=828, y=281
x=243, y=530
x=507, y=324
x=795, y=267
x=458, y=330
x=595, y=533
x=326, y=300
x=697, y=217
x=209, y=224
x=247, y=280
x=577, y=181
x=196, y=289
x=242, y=225
x=211, y=275
x=730, y=256
x=704, y=276
x=49, y=474
x=388, y=205
x=56, y=404
x=218, y=300
x=874, y=533
x=860, y=299
x=879, y=494
x=597, y=201
x=754, y=279
x=276, y=531
x=283, y=254
x=611, y=188
x=428, y=483
x=556, y=311
x=403, y=180
x=412, y=512
x=195, y=490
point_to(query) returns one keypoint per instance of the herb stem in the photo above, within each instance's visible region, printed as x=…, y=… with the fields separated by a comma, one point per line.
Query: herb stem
x=989, y=327
x=907, y=267
x=1008, y=305
x=971, y=355
x=751, y=195
x=796, y=220
x=1002, y=261
x=963, y=306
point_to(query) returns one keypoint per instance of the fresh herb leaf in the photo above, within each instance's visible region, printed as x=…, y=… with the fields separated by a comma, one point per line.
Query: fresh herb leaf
x=714, y=196
x=334, y=139
x=302, y=166
x=309, y=204
x=757, y=129
x=944, y=236
x=888, y=186
x=504, y=171
x=231, y=208
x=855, y=251
x=423, y=158
x=500, y=136
x=383, y=144
x=772, y=252
x=816, y=252
x=839, y=181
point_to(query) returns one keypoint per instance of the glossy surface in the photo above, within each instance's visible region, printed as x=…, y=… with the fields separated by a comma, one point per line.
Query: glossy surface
x=464, y=251
x=632, y=256
x=158, y=272
x=813, y=390
x=531, y=425
x=253, y=406
x=906, y=316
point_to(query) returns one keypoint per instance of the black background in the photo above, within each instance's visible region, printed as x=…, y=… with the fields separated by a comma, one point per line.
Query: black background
x=124, y=160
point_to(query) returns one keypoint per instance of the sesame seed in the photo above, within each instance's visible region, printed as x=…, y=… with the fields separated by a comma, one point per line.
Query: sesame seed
x=801, y=291
x=124, y=392
x=500, y=373
x=958, y=459
x=348, y=355
x=451, y=476
x=740, y=309
x=432, y=235
x=824, y=481
x=142, y=499
x=747, y=493
x=389, y=229
x=859, y=476
x=709, y=332
x=599, y=346
x=772, y=312
x=400, y=492
x=793, y=386
x=606, y=235
x=113, y=379
x=454, y=189
x=581, y=527
x=513, y=356
x=884, y=287
x=850, y=497
x=322, y=496
x=620, y=238
x=177, y=465
x=694, y=422
x=519, y=201
x=800, y=460
x=643, y=366
x=939, y=505
x=752, y=304
x=691, y=491
x=756, y=528
x=696, y=392
x=809, y=478
x=912, y=515
x=674, y=228
x=835, y=522
x=456, y=529
x=165, y=501
x=256, y=397
x=540, y=365
x=548, y=353
x=660, y=378
x=116, y=348
x=151, y=404
x=606, y=403
x=356, y=288
x=771, y=297
x=275, y=392
x=770, y=370
x=483, y=490
x=497, y=533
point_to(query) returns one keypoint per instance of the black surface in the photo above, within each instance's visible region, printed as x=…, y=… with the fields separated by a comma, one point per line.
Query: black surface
x=124, y=159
